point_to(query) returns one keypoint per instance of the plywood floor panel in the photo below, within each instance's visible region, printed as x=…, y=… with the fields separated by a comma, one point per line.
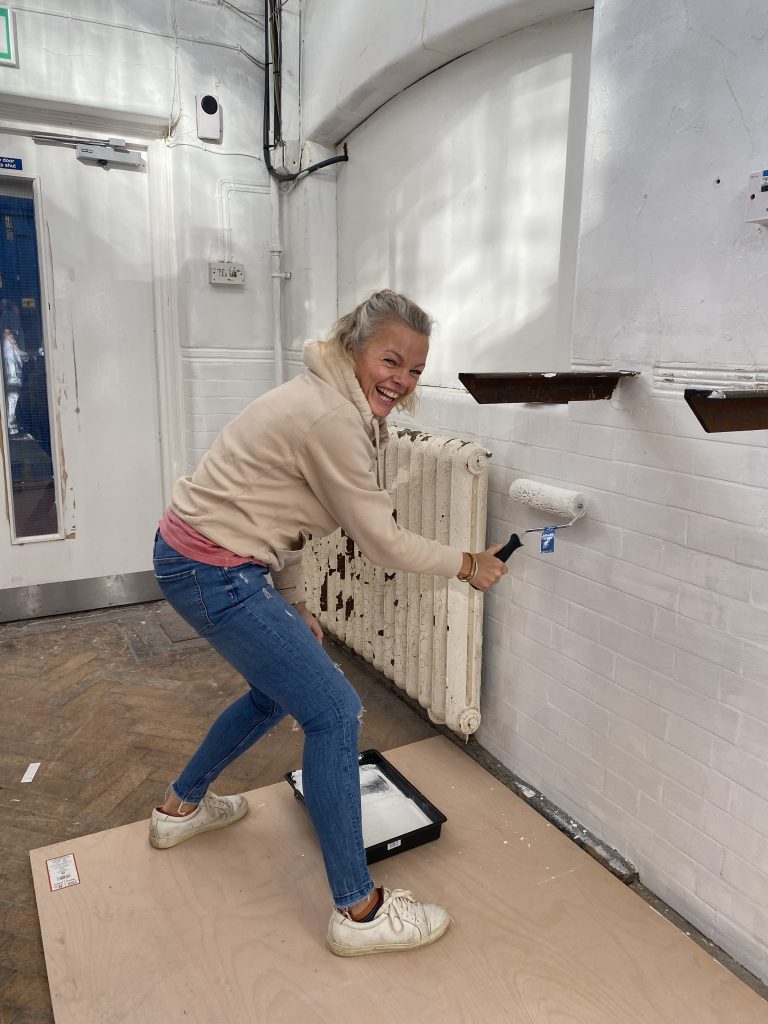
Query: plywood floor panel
x=229, y=928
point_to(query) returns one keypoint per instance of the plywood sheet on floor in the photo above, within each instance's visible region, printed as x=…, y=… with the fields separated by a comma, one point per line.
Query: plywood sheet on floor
x=229, y=928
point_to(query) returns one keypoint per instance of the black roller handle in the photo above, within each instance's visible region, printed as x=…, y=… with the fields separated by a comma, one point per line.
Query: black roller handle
x=512, y=544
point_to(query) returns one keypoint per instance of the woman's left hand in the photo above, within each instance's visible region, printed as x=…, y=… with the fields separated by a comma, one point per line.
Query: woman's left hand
x=311, y=621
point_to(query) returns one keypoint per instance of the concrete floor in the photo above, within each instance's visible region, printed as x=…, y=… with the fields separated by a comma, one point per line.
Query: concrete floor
x=112, y=704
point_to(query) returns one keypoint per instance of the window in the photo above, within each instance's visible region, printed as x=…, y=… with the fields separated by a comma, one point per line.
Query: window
x=26, y=414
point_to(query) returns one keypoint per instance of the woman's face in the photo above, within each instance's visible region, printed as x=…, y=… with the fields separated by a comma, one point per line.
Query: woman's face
x=389, y=367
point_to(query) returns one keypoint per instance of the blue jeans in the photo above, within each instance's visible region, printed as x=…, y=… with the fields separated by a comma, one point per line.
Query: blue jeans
x=288, y=672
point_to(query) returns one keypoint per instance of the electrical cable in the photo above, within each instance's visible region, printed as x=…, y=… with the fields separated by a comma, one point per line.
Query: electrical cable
x=173, y=121
x=245, y=14
x=269, y=18
x=251, y=58
x=209, y=149
x=276, y=35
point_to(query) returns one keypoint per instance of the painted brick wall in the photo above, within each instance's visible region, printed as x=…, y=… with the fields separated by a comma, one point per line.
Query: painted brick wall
x=218, y=385
x=626, y=674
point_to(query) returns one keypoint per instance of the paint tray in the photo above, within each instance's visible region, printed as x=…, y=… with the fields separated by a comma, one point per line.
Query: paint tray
x=396, y=816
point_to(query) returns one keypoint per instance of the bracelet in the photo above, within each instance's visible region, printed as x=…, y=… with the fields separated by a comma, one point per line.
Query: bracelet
x=472, y=569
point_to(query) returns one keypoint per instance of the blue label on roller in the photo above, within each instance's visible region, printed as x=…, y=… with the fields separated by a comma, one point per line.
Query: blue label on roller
x=548, y=540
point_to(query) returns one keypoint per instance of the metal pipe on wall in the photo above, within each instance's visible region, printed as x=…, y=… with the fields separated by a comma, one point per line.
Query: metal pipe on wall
x=278, y=276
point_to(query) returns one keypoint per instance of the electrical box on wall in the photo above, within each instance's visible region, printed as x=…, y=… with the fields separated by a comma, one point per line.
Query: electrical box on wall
x=226, y=273
x=756, y=210
x=208, y=118
x=286, y=157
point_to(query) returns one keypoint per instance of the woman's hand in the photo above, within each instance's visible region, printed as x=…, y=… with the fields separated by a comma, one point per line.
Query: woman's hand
x=311, y=621
x=489, y=568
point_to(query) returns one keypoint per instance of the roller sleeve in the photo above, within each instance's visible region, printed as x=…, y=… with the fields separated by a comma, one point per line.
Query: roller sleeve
x=548, y=499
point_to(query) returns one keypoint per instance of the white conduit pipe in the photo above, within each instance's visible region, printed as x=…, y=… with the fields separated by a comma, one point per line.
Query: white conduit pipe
x=278, y=276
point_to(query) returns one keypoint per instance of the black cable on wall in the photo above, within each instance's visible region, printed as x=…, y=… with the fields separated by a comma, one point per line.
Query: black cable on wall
x=271, y=26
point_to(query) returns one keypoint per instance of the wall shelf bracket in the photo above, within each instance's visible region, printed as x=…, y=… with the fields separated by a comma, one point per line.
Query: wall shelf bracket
x=719, y=410
x=551, y=388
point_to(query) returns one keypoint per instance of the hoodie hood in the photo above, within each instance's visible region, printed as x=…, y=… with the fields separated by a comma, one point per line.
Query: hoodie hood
x=322, y=358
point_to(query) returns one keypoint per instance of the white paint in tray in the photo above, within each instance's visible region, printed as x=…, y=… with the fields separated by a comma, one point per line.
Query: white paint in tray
x=387, y=811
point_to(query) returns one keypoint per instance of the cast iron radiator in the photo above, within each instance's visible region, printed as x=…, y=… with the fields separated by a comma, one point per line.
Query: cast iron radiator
x=423, y=632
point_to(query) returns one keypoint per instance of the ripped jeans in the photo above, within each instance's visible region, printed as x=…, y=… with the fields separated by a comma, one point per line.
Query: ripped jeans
x=287, y=672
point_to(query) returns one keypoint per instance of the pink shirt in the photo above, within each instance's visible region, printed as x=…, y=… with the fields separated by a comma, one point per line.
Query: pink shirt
x=187, y=541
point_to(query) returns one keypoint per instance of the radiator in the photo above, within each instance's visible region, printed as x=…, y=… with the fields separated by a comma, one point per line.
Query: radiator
x=422, y=632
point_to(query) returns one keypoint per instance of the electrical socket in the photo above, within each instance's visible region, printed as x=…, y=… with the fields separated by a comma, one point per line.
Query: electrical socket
x=226, y=273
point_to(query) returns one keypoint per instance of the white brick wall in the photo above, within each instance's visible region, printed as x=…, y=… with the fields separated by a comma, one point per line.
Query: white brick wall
x=626, y=674
x=218, y=384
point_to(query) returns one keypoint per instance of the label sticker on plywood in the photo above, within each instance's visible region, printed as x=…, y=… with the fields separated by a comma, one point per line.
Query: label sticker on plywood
x=62, y=872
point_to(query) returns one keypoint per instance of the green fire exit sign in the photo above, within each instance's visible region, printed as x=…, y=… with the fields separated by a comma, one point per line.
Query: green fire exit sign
x=8, y=55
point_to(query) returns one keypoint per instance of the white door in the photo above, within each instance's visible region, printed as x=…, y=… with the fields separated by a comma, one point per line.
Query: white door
x=82, y=477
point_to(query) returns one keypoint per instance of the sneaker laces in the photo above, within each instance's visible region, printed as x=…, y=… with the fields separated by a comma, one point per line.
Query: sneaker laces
x=398, y=907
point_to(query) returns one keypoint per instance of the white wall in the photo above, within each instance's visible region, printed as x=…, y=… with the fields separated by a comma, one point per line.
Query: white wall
x=361, y=55
x=456, y=190
x=69, y=51
x=310, y=307
x=222, y=210
x=677, y=122
x=625, y=674
x=133, y=70
x=669, y=273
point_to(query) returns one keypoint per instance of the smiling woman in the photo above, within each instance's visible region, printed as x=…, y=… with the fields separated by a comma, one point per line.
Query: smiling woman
x=299, y=462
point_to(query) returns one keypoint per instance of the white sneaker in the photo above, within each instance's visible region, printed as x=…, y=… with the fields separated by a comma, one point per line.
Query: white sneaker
x=401, y=922
x=212, y=812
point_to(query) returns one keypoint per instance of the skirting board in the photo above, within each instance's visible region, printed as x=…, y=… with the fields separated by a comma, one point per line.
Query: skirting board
x=229, y=928
x=20, y=603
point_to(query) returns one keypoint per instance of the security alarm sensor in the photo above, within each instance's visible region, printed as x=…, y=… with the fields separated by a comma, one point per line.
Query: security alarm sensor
x=208, y=118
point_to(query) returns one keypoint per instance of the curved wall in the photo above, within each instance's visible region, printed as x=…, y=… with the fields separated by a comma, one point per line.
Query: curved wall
x=464, y=192
x=363, y=54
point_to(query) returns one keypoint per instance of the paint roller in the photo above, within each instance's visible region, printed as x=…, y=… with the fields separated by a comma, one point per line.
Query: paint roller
x=554, y=500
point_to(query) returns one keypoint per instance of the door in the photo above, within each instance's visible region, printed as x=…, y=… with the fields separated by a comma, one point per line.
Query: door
x=80, y=439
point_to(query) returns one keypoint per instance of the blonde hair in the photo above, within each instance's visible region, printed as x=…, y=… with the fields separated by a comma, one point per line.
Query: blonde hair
x=352, y=332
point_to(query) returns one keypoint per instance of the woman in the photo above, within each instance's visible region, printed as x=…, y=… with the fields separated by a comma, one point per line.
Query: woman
x=300, y=461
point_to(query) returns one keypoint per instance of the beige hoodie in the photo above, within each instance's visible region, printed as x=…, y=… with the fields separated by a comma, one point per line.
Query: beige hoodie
x=298, y=462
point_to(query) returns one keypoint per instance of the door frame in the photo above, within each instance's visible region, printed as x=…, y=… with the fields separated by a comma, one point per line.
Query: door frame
x=170, y=384
x=85, y=594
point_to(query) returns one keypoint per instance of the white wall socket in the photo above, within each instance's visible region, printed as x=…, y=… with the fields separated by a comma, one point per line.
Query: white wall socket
x=226, y=273
x=756, y=207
